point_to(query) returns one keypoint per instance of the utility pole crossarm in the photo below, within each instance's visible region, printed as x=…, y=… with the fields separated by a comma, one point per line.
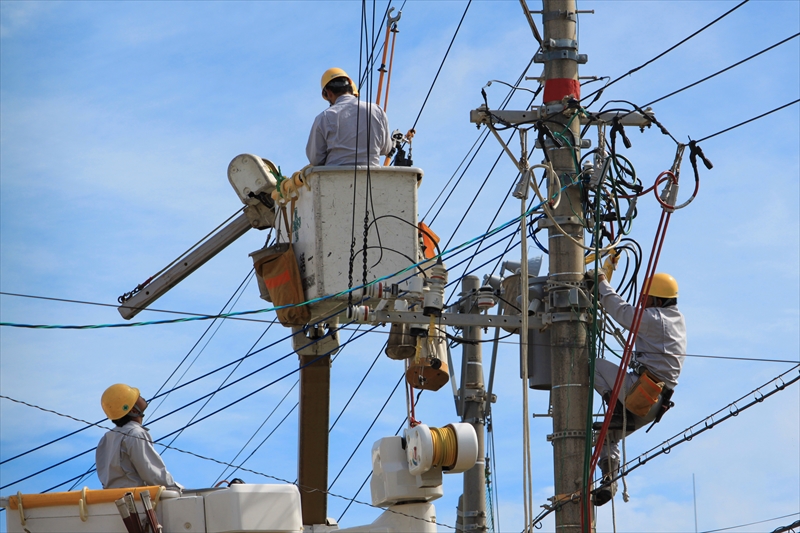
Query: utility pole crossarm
x=483, y=115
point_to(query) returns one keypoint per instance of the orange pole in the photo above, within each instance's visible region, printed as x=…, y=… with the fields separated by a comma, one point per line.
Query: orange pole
x=389, y=76
x=383, y=65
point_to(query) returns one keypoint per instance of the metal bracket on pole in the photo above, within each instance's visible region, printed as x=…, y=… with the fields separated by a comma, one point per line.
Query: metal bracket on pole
x=560, y=220
x=483, y=115
x=455, y=319
x=569, y=434
x=550, y=145
x=551, y=318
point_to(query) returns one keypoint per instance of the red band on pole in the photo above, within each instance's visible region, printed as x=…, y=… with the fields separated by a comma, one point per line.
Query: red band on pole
x=557, y=88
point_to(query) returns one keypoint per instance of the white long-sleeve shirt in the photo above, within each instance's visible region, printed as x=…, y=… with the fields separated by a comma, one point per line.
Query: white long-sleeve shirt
x=332, y=140
x=661, y=340
x=126, y=457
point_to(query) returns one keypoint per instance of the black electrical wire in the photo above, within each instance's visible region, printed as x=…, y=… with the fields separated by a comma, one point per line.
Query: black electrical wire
x=745, y=60
x=369, y=475
x=747, y=121
x=668, y=50
x=259, y=429
x=219, y=388
x=759, y=522
x=101, y=420
x=442, y=64
x=100, y=304
x=360, y=442
x=183, y=407
x=482, y=136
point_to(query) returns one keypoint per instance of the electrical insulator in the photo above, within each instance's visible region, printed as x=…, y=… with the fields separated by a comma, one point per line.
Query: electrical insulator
x=434, y=296
x=415, y=286
x=359, y=313
x=486, y=298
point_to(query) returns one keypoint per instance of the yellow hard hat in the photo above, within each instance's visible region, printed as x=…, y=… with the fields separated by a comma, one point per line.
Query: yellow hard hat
x=663, y=286
x=118, y=400
x=333, y=73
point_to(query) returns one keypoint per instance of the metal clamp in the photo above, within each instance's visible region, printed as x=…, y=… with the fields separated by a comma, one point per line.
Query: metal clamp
x=556, y=15
x=569, y=434
x=552, y=318
x=548, y=143
x=544, y=57
x=560, y=220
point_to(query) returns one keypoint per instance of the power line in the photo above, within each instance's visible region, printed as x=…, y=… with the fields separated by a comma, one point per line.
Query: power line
x=374, y=420
x=745, y=60
x=668, y=50
x=754, y=523
x=189, y=404
x=748, y=121
x=441, y=65
x=100, y=304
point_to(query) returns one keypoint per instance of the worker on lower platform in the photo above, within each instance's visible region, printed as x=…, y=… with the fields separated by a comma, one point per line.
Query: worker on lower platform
x=349, y=132
x=660, y=348
x=125, y=456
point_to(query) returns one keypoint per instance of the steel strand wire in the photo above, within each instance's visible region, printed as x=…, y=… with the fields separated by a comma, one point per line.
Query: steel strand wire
x=709, y=422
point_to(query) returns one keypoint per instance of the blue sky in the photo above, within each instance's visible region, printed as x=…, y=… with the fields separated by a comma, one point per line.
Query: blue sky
x=118, y=121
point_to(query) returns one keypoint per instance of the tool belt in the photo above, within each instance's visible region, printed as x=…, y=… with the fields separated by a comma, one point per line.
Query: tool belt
x=644, y=394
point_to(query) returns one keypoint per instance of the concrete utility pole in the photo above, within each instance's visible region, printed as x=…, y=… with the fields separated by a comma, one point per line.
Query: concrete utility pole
x=472, y=399
x=570, y=367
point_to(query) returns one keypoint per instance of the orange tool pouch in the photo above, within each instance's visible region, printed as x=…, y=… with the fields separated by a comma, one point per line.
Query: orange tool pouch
x=643, y=395
x=281, y=275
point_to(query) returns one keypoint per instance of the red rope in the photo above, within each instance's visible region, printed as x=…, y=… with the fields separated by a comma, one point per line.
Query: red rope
x=655, y=253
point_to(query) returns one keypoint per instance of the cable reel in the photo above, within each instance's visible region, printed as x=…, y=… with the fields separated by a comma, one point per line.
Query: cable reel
x=453, y=448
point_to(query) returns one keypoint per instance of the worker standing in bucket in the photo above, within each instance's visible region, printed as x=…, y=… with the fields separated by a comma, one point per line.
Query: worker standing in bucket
x=660, y=348
x=349, y=132
x=125, y=456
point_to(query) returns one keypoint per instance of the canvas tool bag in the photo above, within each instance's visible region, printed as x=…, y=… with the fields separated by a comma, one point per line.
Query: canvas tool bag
x=278, y=268
x=643, y=395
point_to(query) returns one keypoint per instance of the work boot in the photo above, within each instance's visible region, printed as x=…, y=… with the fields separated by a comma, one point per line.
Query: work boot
x=607, y=488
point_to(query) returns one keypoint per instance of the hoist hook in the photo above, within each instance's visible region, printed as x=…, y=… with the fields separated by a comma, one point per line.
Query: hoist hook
x=390, y=19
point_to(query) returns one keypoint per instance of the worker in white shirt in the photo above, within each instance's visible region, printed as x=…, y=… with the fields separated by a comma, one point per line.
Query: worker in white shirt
x=659, y=351
x=349, y=132
x=125, y=456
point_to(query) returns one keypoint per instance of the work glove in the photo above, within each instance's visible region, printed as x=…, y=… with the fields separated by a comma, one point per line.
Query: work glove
x=610, y=264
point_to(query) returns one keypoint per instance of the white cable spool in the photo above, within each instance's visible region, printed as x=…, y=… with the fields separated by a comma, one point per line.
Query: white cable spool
x=421, y=454
x=467, y=447
x=419, y=449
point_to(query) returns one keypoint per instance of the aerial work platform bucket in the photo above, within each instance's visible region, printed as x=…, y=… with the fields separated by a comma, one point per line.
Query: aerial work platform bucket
x=333, y=207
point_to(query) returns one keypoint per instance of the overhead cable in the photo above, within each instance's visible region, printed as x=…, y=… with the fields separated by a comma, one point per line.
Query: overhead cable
x=745, y=60
x=748, y=121
x=100, y=304
x=668, y=50
x=759, y=522
x=441, y=65
x=374, y=420
x=187, y=405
